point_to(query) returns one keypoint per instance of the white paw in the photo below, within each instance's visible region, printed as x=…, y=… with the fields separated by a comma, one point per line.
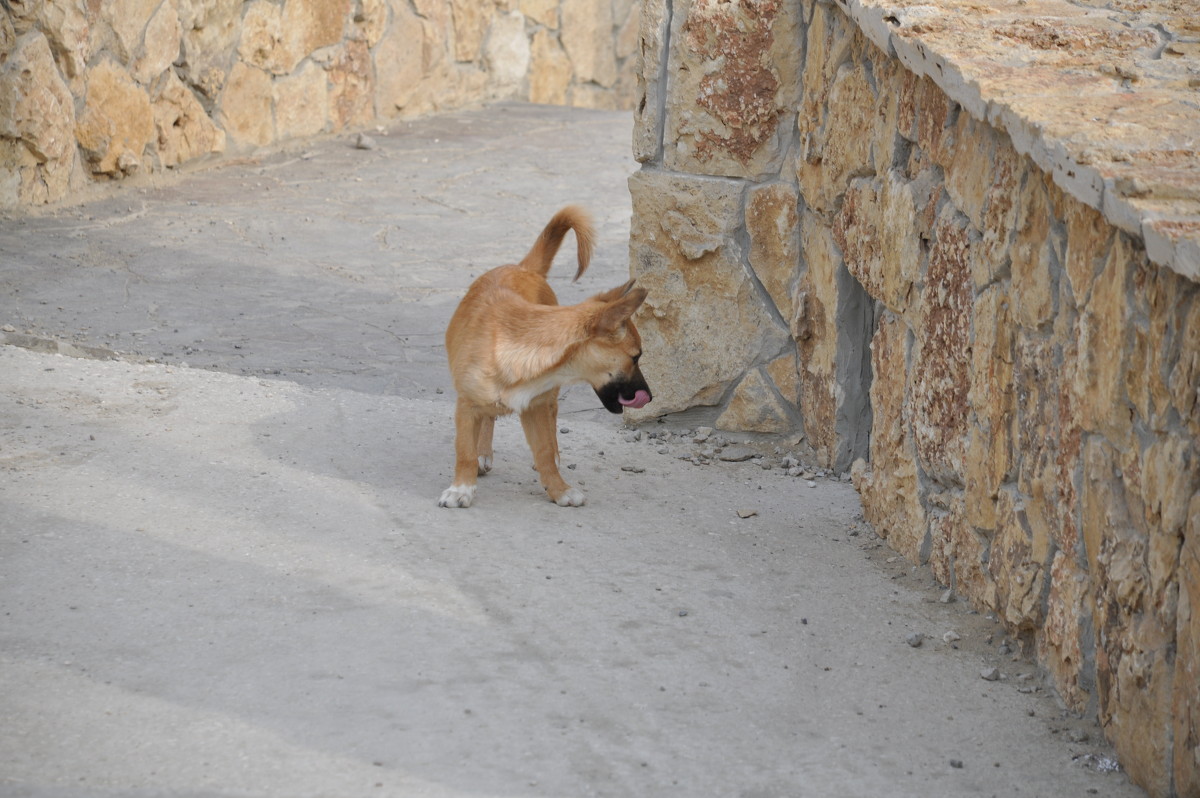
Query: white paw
x=573, y=497
x=457, y=496
x=485, y=465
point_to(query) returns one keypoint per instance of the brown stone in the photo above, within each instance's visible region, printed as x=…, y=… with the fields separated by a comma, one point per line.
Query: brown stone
x=506, y=55
x=942, y=355
x=702, y=324
x=814, y=328
x=351, y=86
x=183, y=128
x=245, y=110
x=262, y=41
x=971, y=576
x=471, y=19
x=309, y=25
x=117, y=123
x=890, y=485
x=989, y=456
x=1033, y=286
x=160, y=45
x=401, y=63
x=128, y=20
x=755, y=407
x=773, y=224
x=301, y=103
x=37, y=125
x=1185, y=707
x=648, y=109
x=587, y=38
x=1089, y=238
x=549, y=70
x=65, y=24
x=837, y=152
x=543, y=12
x=785, y=373
x=1060, y=641
x=1016, y=567
x=736, y=64
x=210, y=33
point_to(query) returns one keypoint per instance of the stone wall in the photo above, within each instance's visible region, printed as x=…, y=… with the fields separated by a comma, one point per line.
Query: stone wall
x=993, y=322
x=103, y=89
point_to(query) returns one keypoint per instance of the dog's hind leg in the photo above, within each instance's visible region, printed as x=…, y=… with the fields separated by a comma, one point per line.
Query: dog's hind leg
x=484, y=446
x=538, y=421
x=468, y=424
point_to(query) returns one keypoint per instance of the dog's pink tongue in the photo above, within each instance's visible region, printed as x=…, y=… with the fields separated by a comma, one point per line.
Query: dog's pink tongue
x=640, y=399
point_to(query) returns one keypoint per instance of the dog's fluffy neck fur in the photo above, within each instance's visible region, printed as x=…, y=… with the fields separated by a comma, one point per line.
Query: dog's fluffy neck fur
x=537, y=351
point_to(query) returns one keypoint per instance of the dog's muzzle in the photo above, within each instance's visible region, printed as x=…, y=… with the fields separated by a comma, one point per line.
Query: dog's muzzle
x=618, y=395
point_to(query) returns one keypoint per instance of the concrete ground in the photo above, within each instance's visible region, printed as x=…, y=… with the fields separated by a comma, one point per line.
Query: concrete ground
x=225, y=420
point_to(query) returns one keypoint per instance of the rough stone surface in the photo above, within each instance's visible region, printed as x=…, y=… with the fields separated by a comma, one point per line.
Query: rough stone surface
x=259, y=73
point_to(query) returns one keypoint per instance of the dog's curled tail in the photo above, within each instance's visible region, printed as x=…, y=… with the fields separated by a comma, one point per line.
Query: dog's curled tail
x=546, y=247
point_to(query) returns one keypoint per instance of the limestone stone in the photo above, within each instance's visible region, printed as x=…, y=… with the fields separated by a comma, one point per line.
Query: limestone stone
x=372, y=18
x=835, y=153
x=309, y=25
x=1033, y=286
x=471, y=20
x=301, y=103
x=651, y=85
x=210, y=34
x=400, y=64
x=1183, y=380
x=506, y=52
x=262, y=41
x=246, y=107
x=989, y=456
x=971, y=576
x=773, y=224
x=628, y=20
x=587, y=38
x=890, y=485
x=944, y=519
x=543, y=12
x=183, y=129
x=549, y=70
x=1061, y=640
x=351, y=86
x=160, y=45
x=702, y=324
x=37, y=124
x=999, y=216
x=755, y=407
x=785, y=373
x=814, y=328
x=737, y=66
x=117, y=122
x=1016, y=567
x=128, y=20
x=1089, y=238
x=970, y=168
x=65, y=24
x=942, y=354
x=1185, y=708
x=875, y=232
x=1100, y=367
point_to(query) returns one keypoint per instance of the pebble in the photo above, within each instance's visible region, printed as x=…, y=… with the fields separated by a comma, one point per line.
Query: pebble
x=1078, y=736
x=747, y=513
x=947, y=596
x=364, y=142
x=812, y=484
x=915, y=639
x=795, y=471
x=737, y=454
x=956, y=763
x=951, y=636
x=634, y=436
x=633, y=469
x=990, y=674
x=702, y=434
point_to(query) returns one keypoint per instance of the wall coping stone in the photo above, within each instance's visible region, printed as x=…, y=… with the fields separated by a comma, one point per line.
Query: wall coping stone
x=1103, y=98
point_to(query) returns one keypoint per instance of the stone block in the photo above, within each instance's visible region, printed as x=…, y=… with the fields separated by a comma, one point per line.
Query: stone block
x=999, y=216
x=160, y=44
x=942, y=355
x=245, y=111
x=211, y=29
x=1017, y=567
x=116, y=124
x=733, y=69
x=587, y=37
x=470, y=19
x=756, y=407
x=301, y=103
x=549, y=70
x=351, y=86
x=403, y=58
x=972, y=579
x=65, y=24
x=543, y=12
x=1185, y=706
x=836, y=152
x=785, y=373
x=128, y=20
x=1183, y=379
x=506, y=53
x=773, y=225
x=309, y=25
x=814, y=328
x=1089, y=238
x=37, y=125
x=262, y=43
x=1062, y=641
x=989, y=457
x=889, y=484
x=183, y=129
x=703, y=324
x=879, y=242
x=1034, y=279
x=651, y=86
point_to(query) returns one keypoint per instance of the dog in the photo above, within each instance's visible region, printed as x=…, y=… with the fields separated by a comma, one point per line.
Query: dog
x=512, y=348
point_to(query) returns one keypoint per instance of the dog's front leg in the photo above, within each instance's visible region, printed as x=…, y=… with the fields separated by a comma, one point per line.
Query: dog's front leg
x=468, y=422
x=539, y=421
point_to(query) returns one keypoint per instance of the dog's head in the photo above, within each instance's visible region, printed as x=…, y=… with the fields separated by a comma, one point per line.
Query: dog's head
x=613, y=349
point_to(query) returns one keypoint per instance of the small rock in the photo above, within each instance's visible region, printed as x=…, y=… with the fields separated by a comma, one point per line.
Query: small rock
x=795, y=471
x=951, y=636
x=947, y=596
x=633, y=469
x=702, y=434
x=564, y=430
x=737, y=454
x=747, y=513
x=634, y=436
x=364, y=142
x=812, y=484
x=915, y=639
x=1078, y=736
x=990, y=674
x=8, y=328
x=956, y=763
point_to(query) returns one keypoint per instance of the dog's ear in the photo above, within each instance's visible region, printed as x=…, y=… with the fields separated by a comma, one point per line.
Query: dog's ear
x=618, y=312
x=613, y=294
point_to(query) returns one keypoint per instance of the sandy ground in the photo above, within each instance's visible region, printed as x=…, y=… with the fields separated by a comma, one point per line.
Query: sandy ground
x=224, y=425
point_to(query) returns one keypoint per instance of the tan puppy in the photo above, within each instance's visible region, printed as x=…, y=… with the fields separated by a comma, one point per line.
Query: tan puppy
x=512, y=348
